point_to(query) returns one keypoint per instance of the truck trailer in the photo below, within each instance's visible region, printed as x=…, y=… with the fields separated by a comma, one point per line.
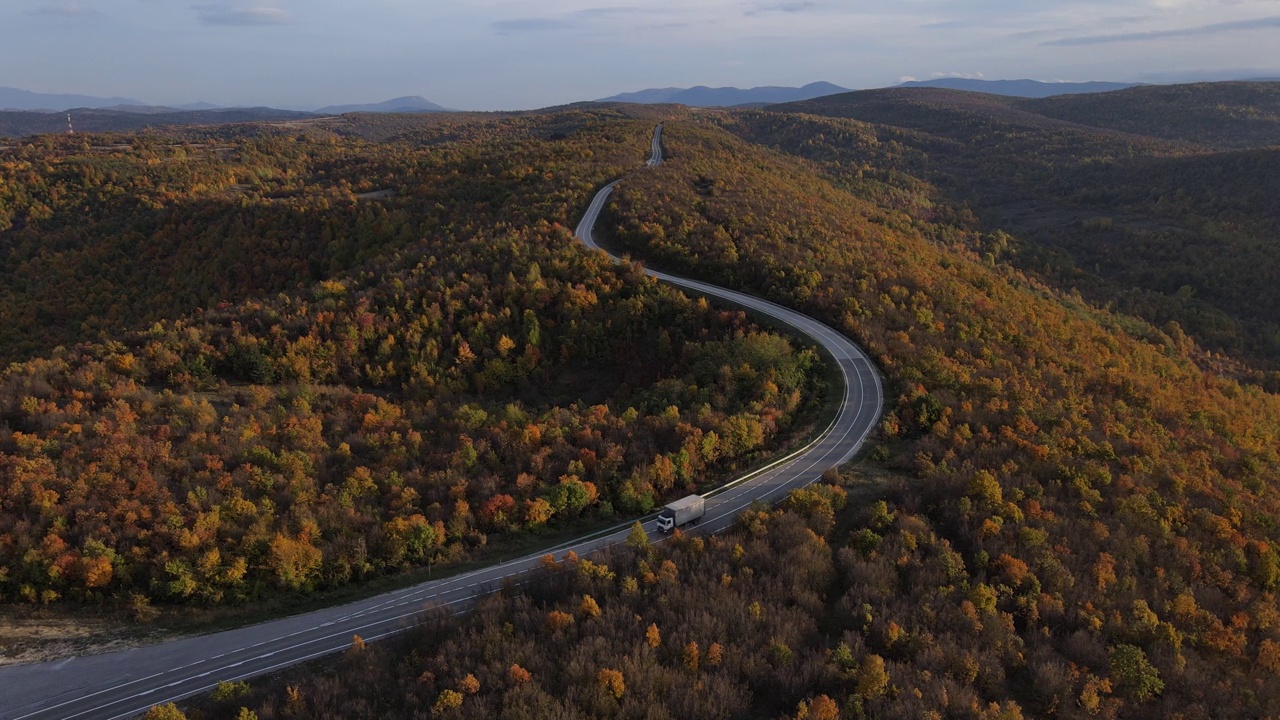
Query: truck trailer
x=685, y=511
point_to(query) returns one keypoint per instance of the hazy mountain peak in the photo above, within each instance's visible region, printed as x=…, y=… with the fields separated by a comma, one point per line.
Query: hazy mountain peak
x=15, y=99
x=408, y=103
x=704, y=96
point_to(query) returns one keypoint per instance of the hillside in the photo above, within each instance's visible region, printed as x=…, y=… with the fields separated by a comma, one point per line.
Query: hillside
x=773, y=620
x=1216, y=115
x=129, y=230
x=1161, y=228
x=103, y=234
x=1077, y=521
x=1018, y=88
x=1219, y=115
x=928, y=109
x=21, y=124
x=404, y=381
x=1007, y=393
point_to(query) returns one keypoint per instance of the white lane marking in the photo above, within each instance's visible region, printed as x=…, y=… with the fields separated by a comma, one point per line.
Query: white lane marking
x=262, y=671
x=346, y=644
x=436, y=585
x=188, y=666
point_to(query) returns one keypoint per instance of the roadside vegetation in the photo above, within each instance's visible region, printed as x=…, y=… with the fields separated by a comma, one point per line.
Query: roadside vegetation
x=1156, y=202
x=1109, y=490
x=470, y=374
x=1081, y=522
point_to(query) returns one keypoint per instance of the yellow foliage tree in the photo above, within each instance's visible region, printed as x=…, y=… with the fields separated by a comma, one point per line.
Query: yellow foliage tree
x=692, y=655
x=872, y=678
x=612, y=681
x=558, y=621
x=447, y=700
x=819, y=708
x=653, y=636
x=168, y=711
x=293, y=560
x=715, y=655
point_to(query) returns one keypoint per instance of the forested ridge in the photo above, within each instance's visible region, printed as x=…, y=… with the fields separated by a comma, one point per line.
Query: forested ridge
x=1169, y=215
x=1079, y=478
x=793, y=615
x=1220, y=115
x=100, y=234
x=1083, y=524
x=1044, y=435
x=479, y=376
x=15, y=124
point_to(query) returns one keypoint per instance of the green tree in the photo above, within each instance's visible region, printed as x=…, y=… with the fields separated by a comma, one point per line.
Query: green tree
x=638, y=539
x=872, y=678
x=1136, y=676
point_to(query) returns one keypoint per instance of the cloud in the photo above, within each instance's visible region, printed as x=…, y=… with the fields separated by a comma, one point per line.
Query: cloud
x=63, y=9
x=1037, y=34
x=784, y=8
x=608, y=11
x=1198, y=31
x=570, y=21
x=522, y=25
x=241, y=15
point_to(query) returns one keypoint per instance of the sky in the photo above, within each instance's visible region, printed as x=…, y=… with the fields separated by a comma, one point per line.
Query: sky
x=500, y=54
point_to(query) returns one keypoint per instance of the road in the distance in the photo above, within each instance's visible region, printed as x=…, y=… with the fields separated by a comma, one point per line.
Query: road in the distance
x=124, y=684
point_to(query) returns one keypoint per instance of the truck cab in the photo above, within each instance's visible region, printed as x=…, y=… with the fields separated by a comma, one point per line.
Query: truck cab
x=666, y=521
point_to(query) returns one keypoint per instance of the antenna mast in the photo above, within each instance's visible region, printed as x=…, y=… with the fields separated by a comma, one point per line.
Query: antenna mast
x=70, y=130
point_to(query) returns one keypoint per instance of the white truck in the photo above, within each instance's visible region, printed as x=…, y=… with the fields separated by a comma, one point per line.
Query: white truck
x=685, y=511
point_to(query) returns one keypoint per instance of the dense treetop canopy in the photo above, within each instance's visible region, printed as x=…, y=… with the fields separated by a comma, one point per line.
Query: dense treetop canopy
x=1076, y=320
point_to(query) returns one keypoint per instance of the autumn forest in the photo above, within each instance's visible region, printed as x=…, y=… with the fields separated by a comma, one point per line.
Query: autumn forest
x=252, y=363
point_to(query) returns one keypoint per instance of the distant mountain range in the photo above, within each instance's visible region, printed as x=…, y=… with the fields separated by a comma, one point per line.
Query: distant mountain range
x=119, y=116
x=730, y=97
x=1020, y=88
x=703, y=96
x=410, y=104
x=15, y=99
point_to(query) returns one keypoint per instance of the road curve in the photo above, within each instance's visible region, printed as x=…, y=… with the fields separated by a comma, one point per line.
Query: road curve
x=124, y=684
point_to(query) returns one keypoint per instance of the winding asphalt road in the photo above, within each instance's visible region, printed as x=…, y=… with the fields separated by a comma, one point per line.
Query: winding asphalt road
x=124, y=684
